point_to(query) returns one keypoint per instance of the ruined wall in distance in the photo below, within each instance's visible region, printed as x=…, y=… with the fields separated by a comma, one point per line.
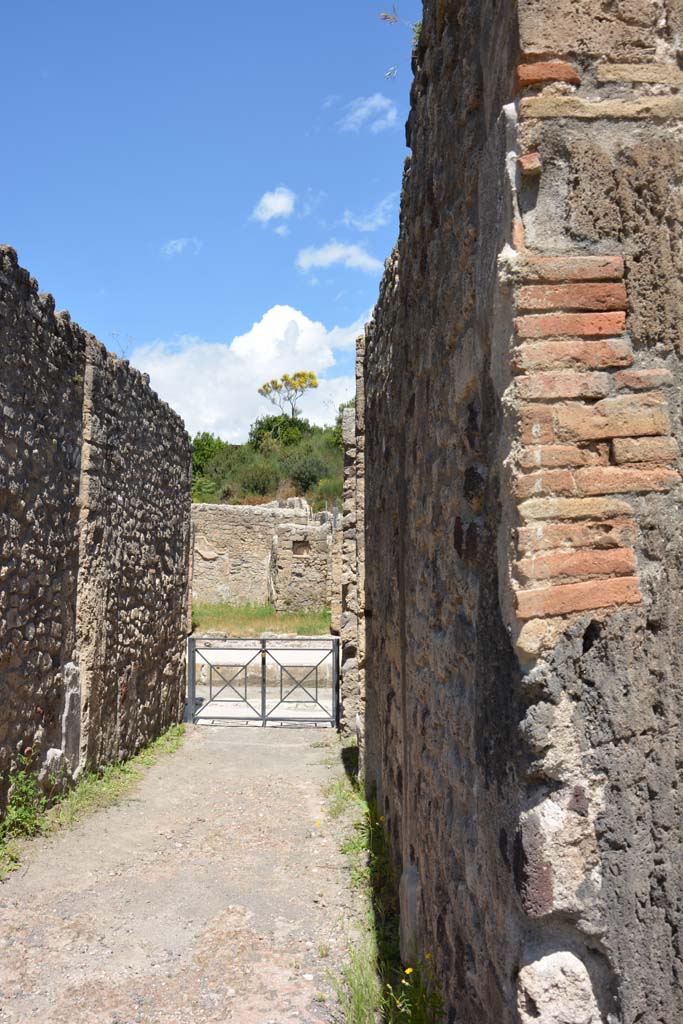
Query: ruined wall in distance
x=95, y=528
x=232, y=549
x=301, y=566
x=245, y=554
x=524, y=614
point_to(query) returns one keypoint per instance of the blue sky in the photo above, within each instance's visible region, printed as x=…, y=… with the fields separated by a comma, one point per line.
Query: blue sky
x=180, y=176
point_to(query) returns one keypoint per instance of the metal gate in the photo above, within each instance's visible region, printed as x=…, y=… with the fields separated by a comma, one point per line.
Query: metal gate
x=263, y=681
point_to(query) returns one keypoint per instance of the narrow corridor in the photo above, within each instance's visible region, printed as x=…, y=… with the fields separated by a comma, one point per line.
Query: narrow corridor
x=214, y=892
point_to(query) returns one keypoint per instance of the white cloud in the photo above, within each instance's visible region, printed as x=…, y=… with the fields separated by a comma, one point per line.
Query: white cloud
x=377, y=218
x=282, y=230
x=273, y=205
x=376, y=112
x=354, y=257
x=214, y=387
x=176, y=246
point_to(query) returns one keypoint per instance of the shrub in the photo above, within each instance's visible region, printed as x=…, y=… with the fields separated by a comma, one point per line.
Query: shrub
x=305, y=469
x=259, y=478
x=327, y=493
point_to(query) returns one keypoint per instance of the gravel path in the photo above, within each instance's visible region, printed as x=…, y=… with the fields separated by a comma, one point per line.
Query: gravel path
x=215, y=892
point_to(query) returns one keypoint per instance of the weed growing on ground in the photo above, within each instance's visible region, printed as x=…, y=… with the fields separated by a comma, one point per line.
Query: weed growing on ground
x=31, y=811
x=374, y=985
x=340, y=797
x=359, y=991
x=24, y=813
x=415, y=999
x=252, y=620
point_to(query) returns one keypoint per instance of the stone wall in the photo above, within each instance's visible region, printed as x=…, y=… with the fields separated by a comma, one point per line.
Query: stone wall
x=94, y=520
x=134, y=559
x=301, y=566
x=524, y=614
x=352, y=619
x=252, y=554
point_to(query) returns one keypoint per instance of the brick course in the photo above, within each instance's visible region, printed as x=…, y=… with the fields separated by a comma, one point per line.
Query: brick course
x=574, y=352
x=605, y=296
x=577, y=597
x=542, y=72
x=590, y=325
x=572, y=423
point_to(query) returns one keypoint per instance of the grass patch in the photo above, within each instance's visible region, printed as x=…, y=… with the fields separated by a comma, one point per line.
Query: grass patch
x=253, y=620
x=374, y=985
x=31, y=811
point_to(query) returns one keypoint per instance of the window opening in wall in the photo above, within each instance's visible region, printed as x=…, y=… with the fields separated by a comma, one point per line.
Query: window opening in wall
x=301, y=547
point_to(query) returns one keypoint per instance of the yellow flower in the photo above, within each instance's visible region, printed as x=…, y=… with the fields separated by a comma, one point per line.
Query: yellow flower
x=428, y=956
x=409, y=970
x=381, y=817
x=317, y=824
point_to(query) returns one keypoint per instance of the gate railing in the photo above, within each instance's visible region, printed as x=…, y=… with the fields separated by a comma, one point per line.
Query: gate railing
x=263, y=681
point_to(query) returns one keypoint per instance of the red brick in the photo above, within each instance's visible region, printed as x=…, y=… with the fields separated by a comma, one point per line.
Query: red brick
x=564, y=384
x=595, y=297
x=610, y=533
x=548, y=325
x=573, y=564
x=530, y=164
x=571, y=268
x=546, y=71
x=555, y=456
x=644, y=449
x=536, y=424
x=643, y=380
x=622, y=416
x=577, y=597
x=546, y=481
x=616, y=480
x=574, y=353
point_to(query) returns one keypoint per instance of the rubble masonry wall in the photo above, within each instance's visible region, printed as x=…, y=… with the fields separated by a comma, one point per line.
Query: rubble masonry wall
x=95, y=530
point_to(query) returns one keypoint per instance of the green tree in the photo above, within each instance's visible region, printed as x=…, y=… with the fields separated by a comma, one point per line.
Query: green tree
x=288, y=389
x=204, y=448
x=284, y=429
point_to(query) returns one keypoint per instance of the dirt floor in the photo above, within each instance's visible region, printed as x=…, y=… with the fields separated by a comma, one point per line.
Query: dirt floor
x=215, y=892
